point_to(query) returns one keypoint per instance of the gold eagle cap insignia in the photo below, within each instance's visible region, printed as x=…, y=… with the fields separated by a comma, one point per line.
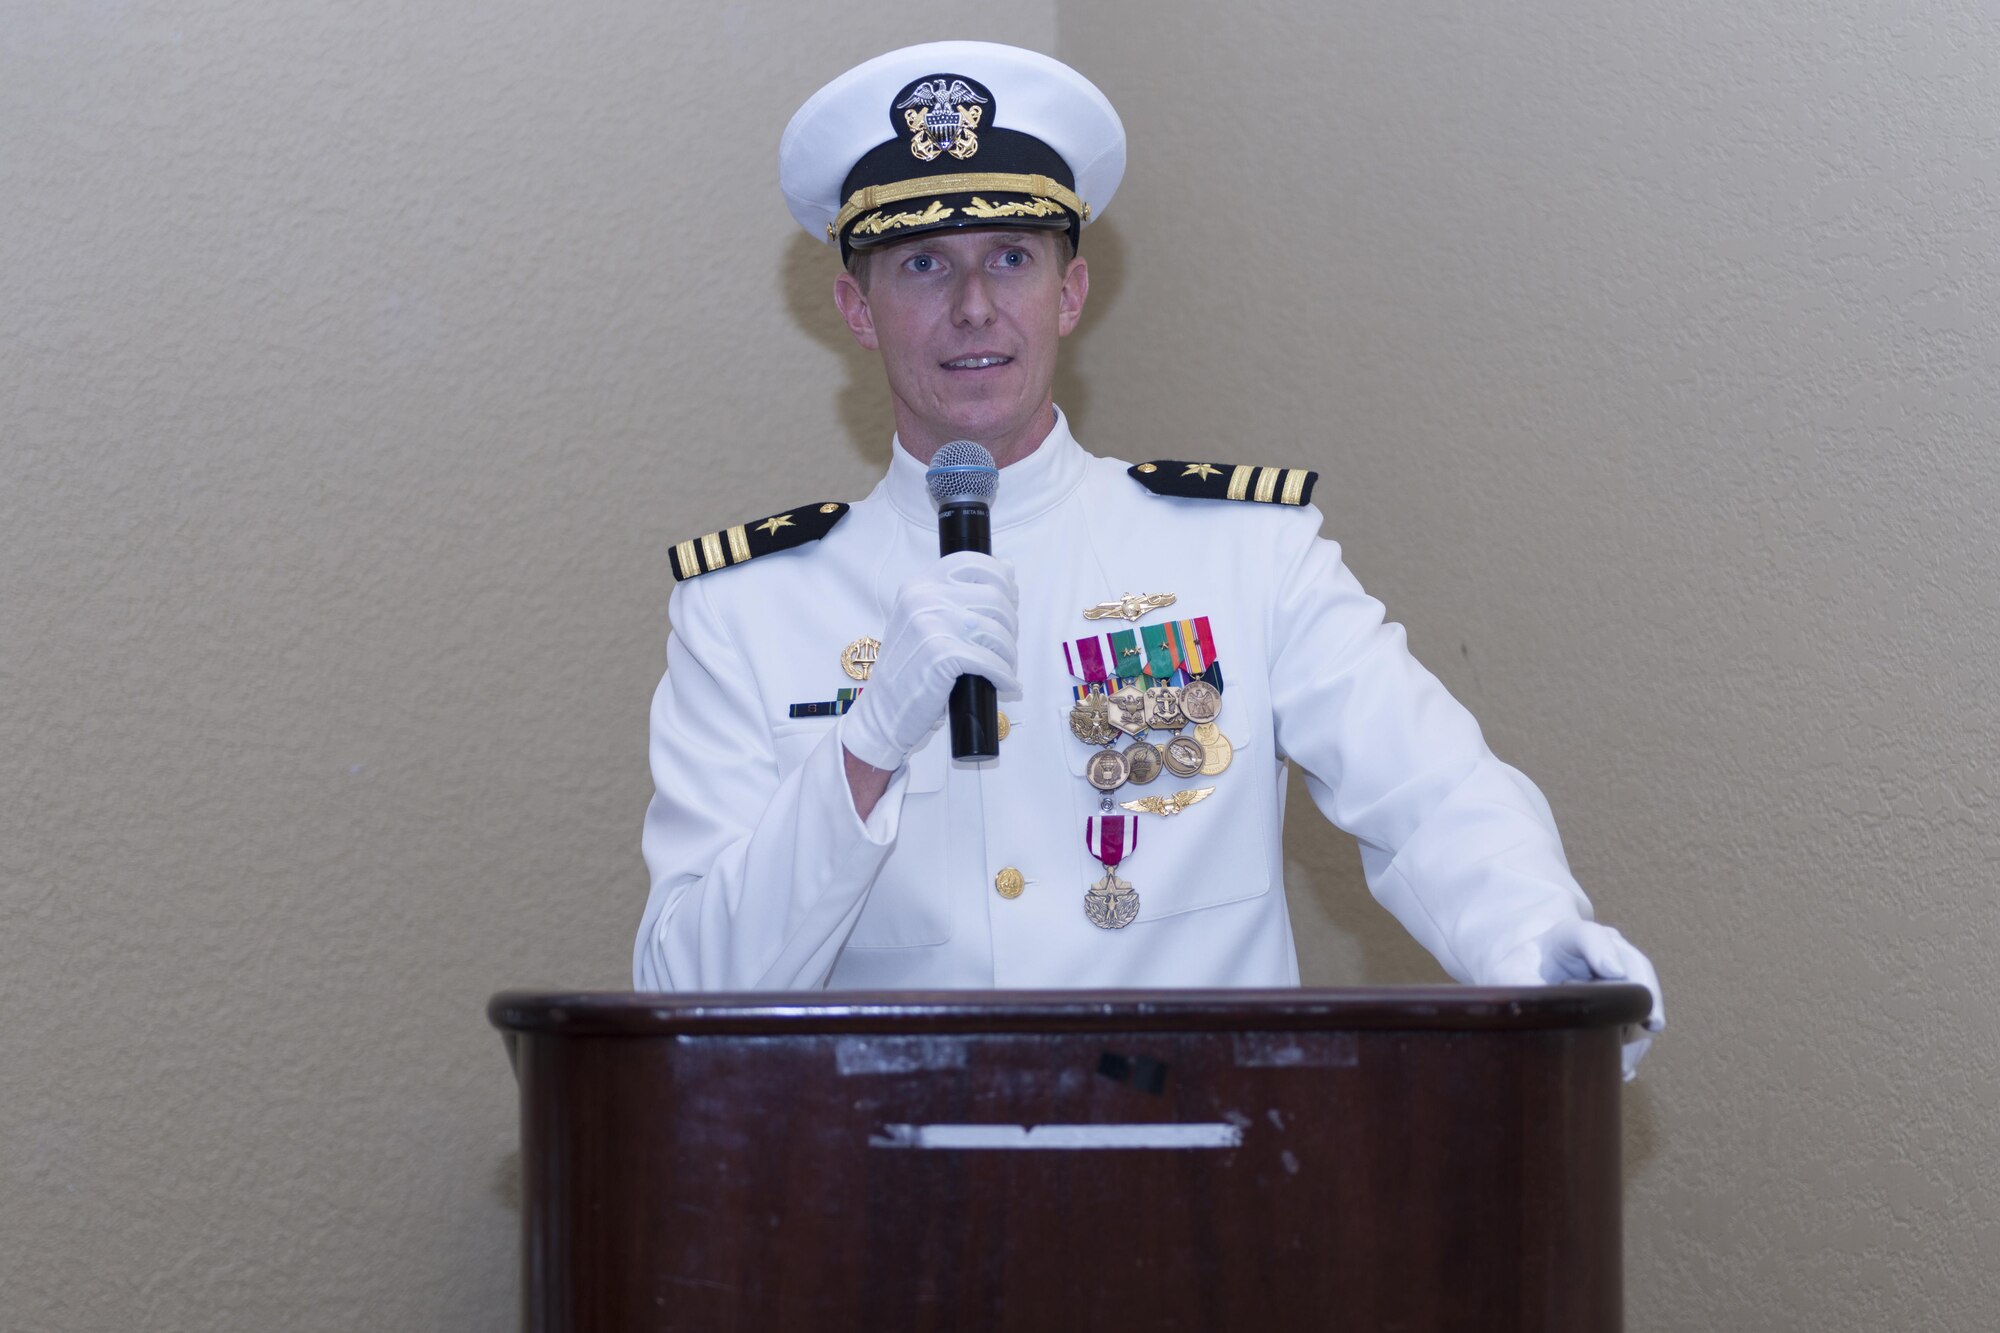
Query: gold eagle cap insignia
x=1167, y=805
x=1130, y=607
x=942, y=112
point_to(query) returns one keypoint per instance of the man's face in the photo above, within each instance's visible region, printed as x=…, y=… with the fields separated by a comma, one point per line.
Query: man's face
x=967, y=323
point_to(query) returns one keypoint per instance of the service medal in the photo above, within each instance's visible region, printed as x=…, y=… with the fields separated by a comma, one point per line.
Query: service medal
x=1128, y=710
x=1219, y=752
x=1090, y=721
x=1200, y=701
x=1184, y=756
x=1106, y=770
x=1142, y=762
x=1111, y=903
x=1163, y=708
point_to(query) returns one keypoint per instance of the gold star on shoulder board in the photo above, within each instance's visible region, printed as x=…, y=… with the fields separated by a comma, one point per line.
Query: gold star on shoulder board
x=1202, y=470
x=772, y=524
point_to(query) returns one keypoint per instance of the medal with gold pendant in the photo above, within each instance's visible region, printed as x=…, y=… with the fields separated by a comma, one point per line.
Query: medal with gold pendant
x=1184, y=756
x=1152, y=678
x=1128, y=710
x=1107, y=770
x=1142, y=762
x=1163, y=708
x=1201, y=696
x=1215, y=748
x=1111, y=903
x=1201, y=702
x=1090, y=720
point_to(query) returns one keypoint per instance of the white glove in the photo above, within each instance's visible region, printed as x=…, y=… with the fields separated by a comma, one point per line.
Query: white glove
x=959, y=617
x=1586, y=951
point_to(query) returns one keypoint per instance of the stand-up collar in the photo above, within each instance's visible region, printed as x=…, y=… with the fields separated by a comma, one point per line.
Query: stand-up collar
x=1028, y=488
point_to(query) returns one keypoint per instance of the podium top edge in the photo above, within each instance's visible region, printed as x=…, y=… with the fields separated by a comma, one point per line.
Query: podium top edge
x=783, y=1013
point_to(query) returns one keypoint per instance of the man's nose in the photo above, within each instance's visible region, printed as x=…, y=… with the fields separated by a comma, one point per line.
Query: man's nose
x=974, y=305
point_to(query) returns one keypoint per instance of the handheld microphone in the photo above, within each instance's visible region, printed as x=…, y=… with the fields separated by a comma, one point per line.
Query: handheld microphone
x=963, y=481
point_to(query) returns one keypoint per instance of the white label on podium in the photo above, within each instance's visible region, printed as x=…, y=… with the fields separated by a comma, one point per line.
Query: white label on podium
x=979, y=1137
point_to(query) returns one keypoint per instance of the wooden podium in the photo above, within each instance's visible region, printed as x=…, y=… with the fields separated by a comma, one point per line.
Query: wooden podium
x=1410, y=1159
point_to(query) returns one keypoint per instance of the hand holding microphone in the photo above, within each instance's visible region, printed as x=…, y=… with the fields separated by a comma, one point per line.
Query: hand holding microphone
x=963, y=482
x=951, y=637
x=954, y=619
x=951, y=634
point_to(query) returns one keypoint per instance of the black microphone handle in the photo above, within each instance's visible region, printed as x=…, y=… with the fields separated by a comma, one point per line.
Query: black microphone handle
x=966, y=525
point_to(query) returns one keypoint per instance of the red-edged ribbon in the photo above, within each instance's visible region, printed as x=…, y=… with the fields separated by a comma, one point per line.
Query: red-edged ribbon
x=1111, y=838
x=1086, y=659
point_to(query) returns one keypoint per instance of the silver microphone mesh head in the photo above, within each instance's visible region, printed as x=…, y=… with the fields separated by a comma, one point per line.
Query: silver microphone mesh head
x=963, y=471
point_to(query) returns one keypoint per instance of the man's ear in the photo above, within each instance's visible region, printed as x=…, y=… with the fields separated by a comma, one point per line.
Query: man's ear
x=1076, y=286
x=853, y=305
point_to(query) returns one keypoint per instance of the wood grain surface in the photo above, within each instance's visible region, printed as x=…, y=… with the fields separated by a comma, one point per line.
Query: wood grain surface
x=1436, y=1158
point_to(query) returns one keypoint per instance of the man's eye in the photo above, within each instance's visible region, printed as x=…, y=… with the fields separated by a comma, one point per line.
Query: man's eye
x=1014, y=258
x=922, y=263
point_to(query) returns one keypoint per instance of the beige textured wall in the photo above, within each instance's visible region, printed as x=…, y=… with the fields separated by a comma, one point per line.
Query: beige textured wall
x=1652, y=356
x=361, y=359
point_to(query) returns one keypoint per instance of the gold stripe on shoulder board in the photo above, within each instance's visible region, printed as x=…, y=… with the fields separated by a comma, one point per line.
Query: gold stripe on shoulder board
x=741, y=543
x=1244, y=482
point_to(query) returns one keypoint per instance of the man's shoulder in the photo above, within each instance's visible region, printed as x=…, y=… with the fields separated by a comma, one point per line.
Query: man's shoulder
x=740, y=543
x=1186, y=508
x=1254, y=502
x=817, y=564
x=1248, y=483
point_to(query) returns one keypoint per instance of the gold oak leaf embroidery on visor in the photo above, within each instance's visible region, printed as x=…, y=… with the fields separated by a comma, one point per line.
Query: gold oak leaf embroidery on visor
x=1038, y=208
x=876, y=223
x=874, y=197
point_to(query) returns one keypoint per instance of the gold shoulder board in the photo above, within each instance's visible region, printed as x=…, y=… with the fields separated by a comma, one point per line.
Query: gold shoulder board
x=747, y=541
x=1226, y=481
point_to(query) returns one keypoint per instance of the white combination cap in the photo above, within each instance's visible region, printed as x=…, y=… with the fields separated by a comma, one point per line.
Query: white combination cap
x=950, y=134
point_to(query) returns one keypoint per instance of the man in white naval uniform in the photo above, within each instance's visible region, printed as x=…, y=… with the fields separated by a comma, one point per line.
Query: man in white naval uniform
x=801, y=839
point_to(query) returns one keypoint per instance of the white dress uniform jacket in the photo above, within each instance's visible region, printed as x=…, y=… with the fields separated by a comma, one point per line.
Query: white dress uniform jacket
x=763, y=877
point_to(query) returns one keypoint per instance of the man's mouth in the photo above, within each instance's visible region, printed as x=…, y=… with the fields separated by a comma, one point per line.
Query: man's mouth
x=976, y=362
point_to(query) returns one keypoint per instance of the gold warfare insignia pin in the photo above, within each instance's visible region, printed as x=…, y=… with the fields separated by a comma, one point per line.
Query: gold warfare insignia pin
x=1129, y=607
x=857, y=659
x=941, y=112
